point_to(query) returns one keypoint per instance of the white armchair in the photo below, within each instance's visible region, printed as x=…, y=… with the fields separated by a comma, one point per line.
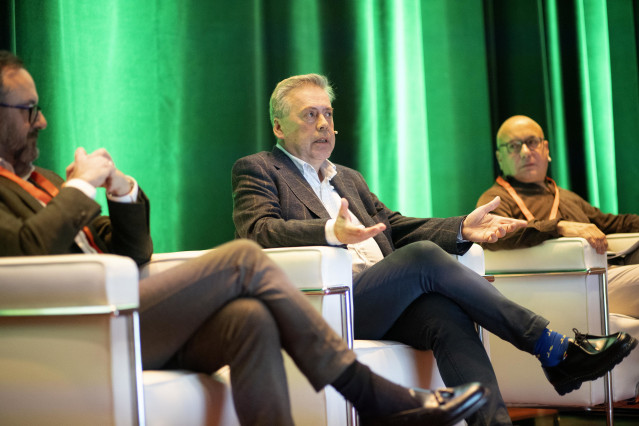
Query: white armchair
x=69, y=344
x=563, y=280
x=68, y=341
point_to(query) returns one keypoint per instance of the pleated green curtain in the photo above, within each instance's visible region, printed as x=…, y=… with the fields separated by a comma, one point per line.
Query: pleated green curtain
x=178, y=90
x=425, y=118
x=608, y=91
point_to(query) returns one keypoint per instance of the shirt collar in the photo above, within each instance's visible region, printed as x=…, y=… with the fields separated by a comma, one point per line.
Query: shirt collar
x=328, y=169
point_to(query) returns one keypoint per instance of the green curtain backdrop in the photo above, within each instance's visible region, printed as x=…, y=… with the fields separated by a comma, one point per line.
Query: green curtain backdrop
x=178, y=90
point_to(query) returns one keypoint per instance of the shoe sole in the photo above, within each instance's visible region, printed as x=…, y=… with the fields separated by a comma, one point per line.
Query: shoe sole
x=563, y=388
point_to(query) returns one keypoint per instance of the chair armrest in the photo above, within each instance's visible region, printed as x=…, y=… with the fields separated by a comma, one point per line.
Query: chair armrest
x=619, y=243
x=50, y=284
x=473, y=258
x=557, y=255
x=312, y=267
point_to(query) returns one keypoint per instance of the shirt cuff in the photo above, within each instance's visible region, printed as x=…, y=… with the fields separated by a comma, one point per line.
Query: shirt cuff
x=126, y=198
x=460, y=239
x=329, y=231
x=83, y=186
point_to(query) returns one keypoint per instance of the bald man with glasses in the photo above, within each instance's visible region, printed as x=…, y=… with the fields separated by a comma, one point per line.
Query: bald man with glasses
x=528, y=193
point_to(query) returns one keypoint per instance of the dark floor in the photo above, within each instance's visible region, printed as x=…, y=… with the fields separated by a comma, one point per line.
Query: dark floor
x=624, y=414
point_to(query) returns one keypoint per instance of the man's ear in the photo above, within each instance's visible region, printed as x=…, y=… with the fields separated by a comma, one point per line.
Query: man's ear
x=547, y=149
x=277, y=129
x=498, y=156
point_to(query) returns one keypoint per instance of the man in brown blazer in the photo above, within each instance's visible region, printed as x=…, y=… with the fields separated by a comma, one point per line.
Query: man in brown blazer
x=406, y=286
x=230, y=306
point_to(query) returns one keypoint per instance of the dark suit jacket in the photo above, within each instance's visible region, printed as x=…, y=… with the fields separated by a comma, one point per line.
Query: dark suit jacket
x=275, y=206
x=28, y=228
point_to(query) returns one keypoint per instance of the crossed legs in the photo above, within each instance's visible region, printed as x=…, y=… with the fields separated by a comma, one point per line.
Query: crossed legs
x=190, y=312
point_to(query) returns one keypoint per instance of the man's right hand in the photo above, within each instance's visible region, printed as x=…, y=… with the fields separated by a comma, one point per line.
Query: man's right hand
x=348, y=233
x=94, y=168
x=589, y=231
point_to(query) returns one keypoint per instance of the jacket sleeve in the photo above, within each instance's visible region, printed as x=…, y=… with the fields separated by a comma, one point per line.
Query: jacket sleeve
x=126, y=231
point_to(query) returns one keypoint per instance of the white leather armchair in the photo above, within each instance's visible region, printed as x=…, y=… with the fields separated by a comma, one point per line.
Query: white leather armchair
x=68, y=341
x=69, y=344
x=563, y=280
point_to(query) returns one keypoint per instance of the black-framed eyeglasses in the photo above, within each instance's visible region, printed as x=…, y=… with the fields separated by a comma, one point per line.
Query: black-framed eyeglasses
x=514, y=146
x=33, y=110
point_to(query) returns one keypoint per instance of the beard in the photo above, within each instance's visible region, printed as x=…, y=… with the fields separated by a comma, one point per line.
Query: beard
x=18, y=148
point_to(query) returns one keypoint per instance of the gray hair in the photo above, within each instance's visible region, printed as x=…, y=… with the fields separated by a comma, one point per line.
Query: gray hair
x=279, y=107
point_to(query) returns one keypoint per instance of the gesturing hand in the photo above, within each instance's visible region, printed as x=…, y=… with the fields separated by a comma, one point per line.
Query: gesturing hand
x=348, y=233
x=480, y=226
x=589, y=231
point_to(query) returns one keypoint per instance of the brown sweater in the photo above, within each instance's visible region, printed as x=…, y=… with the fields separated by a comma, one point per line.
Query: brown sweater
x=539, y=201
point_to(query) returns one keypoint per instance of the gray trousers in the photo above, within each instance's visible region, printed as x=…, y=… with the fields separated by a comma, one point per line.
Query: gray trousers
x=235, y=306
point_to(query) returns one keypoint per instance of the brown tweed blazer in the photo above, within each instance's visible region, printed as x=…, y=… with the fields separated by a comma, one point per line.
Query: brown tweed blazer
x=28, y=228
x=275, y=206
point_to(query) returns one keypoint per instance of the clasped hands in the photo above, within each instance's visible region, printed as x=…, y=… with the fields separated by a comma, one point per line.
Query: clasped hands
x=99, y=170
x=480, y=225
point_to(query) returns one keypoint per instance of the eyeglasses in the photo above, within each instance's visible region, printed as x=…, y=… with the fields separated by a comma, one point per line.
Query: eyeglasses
x=514, y=146
x=33, y=110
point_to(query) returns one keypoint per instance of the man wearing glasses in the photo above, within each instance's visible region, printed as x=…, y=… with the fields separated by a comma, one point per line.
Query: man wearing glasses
x=528, y=193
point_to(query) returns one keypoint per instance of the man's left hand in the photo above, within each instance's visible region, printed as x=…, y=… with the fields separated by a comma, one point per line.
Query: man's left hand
x=480, y=226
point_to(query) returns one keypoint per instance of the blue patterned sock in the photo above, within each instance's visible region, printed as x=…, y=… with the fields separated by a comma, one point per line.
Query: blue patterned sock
x=551, y=348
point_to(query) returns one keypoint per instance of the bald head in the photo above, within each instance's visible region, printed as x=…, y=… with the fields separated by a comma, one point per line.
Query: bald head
x=522, y=150
x=517, y=126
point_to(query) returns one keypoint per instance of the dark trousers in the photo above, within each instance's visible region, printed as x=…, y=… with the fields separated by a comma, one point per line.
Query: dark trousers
x=389, y=304
x=235, y=306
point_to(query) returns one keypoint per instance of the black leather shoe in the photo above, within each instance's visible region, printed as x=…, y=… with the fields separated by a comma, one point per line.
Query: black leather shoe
x=441, y=407
x=588, y=358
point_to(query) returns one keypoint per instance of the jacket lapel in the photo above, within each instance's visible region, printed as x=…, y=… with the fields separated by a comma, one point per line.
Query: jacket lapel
x=346, y=189
x=297, y=183
x=28, y=199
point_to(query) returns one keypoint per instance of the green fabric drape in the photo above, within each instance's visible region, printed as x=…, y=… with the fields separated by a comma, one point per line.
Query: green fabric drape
x=177, y=91
x=426, y=113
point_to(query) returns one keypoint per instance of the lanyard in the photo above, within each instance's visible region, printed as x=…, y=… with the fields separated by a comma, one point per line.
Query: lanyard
x=50, y=190
x=522, y=206
x=44, y=195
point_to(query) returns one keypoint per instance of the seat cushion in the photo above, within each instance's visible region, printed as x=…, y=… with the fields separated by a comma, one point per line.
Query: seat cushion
x=183, y=397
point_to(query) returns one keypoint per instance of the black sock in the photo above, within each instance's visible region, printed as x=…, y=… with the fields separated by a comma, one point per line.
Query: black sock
x=372, y=394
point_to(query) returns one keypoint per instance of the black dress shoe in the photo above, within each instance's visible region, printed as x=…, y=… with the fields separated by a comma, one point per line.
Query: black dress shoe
x=441, y=407
x=588, y=358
